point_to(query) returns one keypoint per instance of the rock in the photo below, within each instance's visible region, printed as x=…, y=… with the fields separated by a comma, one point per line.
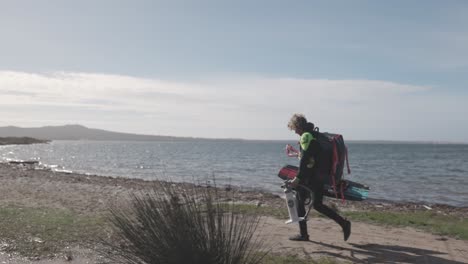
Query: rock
x=37, y=240
x=68, y=257
x=427, y=207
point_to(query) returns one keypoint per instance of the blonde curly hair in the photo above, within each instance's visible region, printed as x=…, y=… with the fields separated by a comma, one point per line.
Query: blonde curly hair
x=297, y=121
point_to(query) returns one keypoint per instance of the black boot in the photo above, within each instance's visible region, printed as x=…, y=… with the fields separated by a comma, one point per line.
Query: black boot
x=299, y=238
x=346, y=229
x=303, y=236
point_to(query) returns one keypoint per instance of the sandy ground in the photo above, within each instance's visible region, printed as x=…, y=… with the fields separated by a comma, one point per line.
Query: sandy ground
x=368, y=243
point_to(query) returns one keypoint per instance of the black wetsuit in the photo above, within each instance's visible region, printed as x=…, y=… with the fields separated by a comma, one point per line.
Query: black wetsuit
x=312, y=172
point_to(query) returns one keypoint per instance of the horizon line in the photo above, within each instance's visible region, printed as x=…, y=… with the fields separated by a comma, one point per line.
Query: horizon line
x=383, y=141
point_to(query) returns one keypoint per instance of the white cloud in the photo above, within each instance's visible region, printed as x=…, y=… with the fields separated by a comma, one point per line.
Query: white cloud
x=246, y=107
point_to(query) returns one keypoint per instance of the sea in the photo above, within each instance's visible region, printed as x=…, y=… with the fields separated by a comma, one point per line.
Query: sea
x=428, y=173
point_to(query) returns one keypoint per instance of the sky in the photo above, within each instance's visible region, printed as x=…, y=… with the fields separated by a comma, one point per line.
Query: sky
x=370, y=70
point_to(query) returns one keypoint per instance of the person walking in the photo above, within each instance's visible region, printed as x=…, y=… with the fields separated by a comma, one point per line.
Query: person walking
x=312, y=169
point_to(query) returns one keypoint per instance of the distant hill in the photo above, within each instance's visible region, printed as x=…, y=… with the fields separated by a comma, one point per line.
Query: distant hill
x=79, y=132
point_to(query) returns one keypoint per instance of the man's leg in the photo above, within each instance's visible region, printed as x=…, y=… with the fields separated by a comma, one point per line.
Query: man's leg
x=318, y=189
x=303, y=236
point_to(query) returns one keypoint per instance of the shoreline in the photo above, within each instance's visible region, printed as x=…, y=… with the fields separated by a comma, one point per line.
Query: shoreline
x=127, y=185
x=426, y=189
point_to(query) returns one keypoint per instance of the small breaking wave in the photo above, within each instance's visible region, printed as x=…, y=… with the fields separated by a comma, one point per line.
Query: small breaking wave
x=35, y=164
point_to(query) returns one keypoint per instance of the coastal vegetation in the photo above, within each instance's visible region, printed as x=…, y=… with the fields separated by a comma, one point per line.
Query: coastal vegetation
x=176, y=225
x=21, y=141
x=45, y=232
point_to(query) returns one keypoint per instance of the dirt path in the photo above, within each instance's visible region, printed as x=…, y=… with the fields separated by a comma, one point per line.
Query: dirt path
x=368, y=243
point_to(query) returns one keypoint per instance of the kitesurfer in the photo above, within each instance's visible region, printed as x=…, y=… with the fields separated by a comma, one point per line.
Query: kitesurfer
x=310, y=168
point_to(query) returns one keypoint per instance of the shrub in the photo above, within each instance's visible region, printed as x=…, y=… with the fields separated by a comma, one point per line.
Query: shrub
x=174, y=224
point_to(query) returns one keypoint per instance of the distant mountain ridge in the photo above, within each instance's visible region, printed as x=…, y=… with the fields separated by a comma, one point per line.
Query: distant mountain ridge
x=79, y=132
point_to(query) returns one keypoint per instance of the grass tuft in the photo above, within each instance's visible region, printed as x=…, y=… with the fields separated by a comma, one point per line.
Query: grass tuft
x=174, y=225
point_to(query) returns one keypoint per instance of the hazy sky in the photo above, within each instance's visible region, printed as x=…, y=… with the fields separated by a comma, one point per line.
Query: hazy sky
x=391, y=70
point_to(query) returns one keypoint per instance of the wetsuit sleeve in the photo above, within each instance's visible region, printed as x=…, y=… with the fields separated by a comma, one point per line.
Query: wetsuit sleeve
x=308, y=150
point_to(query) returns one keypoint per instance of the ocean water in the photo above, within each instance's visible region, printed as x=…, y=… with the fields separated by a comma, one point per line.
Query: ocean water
x=429, y=173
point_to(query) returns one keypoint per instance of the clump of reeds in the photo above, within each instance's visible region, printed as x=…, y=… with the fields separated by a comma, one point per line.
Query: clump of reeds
x=173, y=225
